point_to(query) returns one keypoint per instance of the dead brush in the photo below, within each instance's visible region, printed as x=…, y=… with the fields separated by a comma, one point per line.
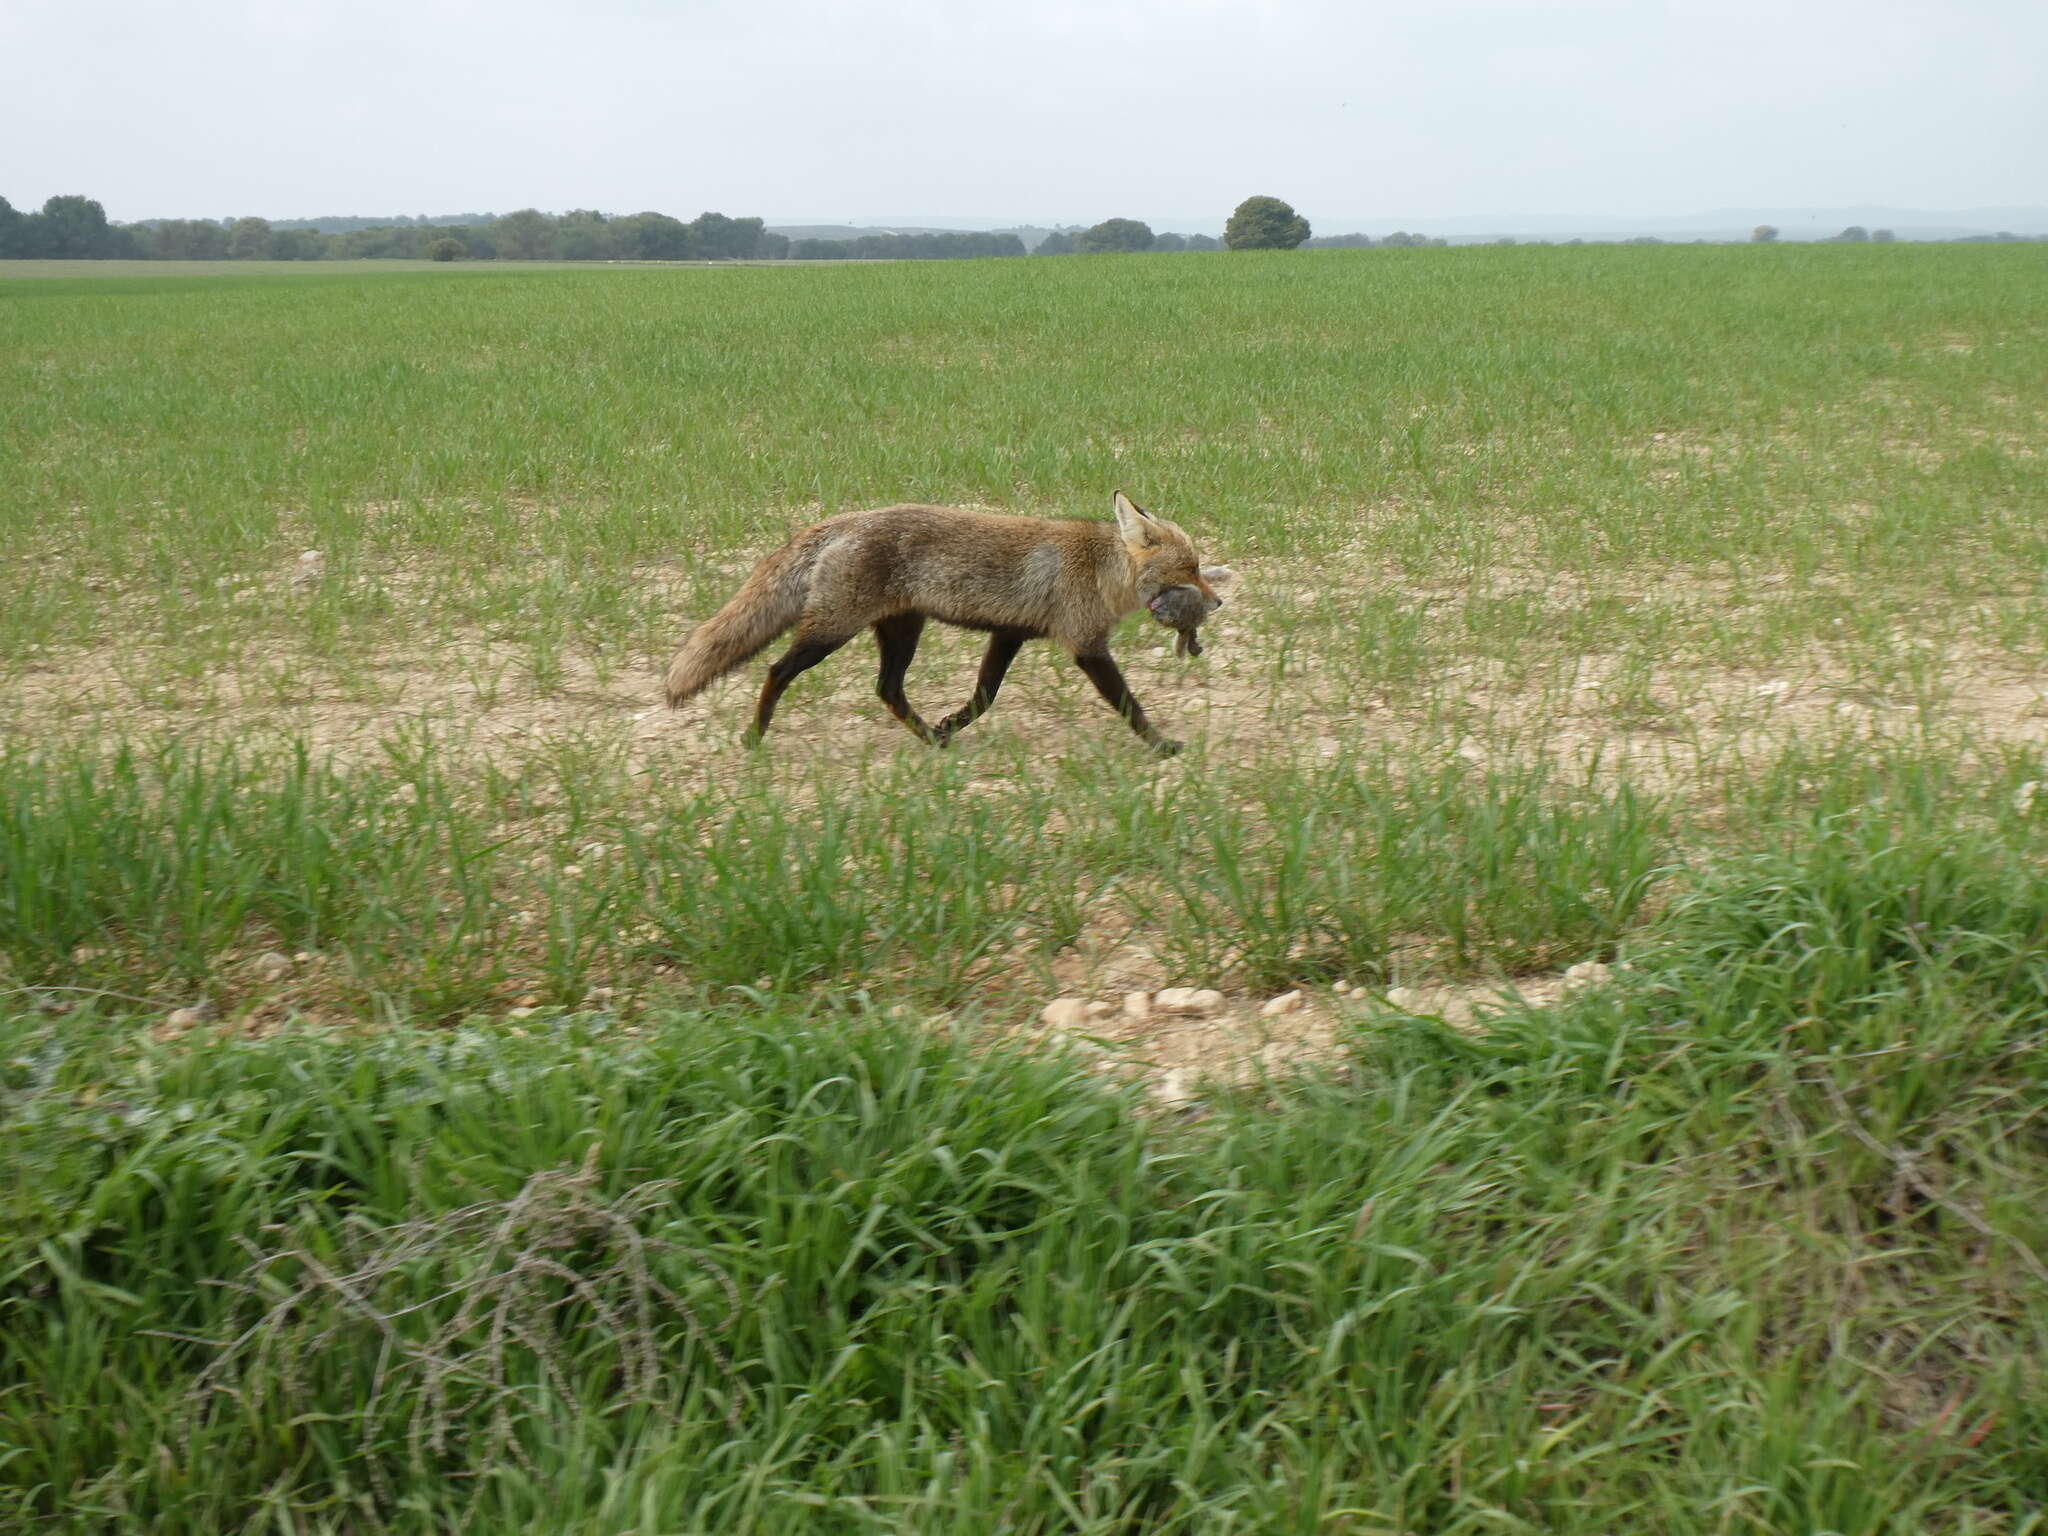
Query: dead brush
x=513, y=1274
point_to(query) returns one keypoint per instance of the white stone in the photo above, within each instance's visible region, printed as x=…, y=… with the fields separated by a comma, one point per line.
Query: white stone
x=1198, y=1002
x=1137, y=1005
x=1286, y=1002
x=1587, y=974
x=272, y=966
x=1064, y=1013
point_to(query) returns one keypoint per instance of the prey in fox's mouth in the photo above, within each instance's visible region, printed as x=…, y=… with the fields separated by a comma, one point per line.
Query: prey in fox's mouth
x=1183, y=609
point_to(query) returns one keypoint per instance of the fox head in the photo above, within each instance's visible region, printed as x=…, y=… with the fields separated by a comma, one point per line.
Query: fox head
x=1165, y=567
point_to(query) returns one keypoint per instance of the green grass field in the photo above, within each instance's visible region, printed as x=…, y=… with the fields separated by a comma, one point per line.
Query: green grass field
x=444, y=1088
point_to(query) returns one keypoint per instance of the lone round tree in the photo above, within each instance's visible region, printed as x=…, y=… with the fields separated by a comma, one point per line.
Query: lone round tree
x=1115, y=235
x=1264, y=224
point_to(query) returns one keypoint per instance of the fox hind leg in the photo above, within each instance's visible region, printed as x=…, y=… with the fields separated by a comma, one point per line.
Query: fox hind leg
x=1108, y=679
x=897, y=639
x=995, y=664
x=799, y=658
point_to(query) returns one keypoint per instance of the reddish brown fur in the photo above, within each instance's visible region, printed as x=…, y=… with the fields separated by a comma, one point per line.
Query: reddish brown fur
x=892, y=568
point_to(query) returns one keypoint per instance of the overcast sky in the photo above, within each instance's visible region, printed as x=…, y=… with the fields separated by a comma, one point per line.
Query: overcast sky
x=1022, y=110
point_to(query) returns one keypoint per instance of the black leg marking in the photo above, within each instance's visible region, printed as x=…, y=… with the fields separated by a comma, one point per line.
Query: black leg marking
x=995, y=664
x=897, y=640
x=800, y=657
x=1108, y=679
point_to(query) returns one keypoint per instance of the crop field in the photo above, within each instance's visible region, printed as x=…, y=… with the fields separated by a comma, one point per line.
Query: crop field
x=441, y=1087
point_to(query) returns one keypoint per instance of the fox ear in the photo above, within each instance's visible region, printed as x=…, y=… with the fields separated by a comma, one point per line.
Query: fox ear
x=1221, y=578
x=1133, y=521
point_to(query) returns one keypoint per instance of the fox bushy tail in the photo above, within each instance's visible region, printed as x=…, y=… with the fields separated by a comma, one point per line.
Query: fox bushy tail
x=767, y=603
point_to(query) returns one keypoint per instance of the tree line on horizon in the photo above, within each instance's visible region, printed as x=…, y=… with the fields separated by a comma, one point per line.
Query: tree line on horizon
x=74, y=227
x=77, y=228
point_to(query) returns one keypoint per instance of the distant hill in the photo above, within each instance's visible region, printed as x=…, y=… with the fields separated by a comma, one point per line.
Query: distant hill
x=342, y=223
x=1030, y=234
x=855, y=231
x=1714, y=224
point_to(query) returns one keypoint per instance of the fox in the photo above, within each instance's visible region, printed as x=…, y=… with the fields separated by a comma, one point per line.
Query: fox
x=890, y=569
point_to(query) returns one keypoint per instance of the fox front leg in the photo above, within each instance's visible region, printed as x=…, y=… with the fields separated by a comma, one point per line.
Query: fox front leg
x=1108, y=679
